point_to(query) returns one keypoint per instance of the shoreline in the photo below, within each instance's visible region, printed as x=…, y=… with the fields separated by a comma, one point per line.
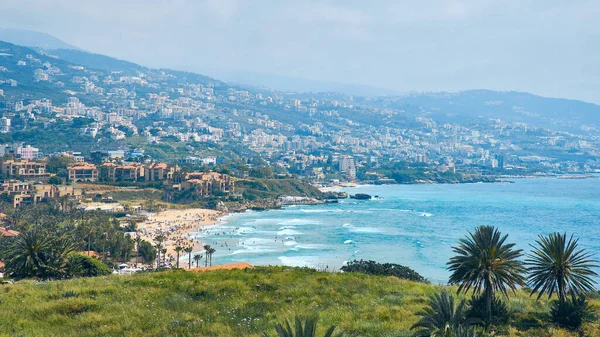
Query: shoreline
x=178, y=226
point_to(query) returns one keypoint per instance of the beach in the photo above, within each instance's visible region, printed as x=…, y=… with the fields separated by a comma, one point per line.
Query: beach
x=177, y=227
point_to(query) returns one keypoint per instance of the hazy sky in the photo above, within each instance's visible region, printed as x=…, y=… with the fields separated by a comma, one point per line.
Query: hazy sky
x=546, y=47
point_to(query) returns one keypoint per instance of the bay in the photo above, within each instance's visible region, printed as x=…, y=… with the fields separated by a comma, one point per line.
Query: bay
x=413, y=225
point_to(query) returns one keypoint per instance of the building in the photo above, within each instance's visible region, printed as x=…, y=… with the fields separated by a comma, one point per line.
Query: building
x=24, y=193
x=113, y=172
x=23, y=168
x=4, y=125
x=208, y=183
x=347, y=166
x=8, y=232
x=159, y=171
x=28, y=152
x=83, y=172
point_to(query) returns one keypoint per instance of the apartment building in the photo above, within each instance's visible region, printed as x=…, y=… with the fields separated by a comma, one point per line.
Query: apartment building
x=207, y=183
x=159, y=171
x=24, y=193
x=83, y=172
x=23, y=168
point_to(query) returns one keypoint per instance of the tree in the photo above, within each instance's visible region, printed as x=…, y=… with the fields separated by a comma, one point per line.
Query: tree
x=80, y=265
x=138, y=242
x=147, y=252
x=485, y=263
x=37, y=254
x=559, y=266
x=308, y=329
x=211, y=252
x=207, y=252
x=189, y=251
x=197, y=258
x=442, y=317
x=178, y=250
x=159, y=241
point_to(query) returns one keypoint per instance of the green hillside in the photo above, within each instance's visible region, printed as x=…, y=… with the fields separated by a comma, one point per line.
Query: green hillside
x=236, y=303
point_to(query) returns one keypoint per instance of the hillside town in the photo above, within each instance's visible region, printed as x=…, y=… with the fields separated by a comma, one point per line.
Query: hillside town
x=139, y=114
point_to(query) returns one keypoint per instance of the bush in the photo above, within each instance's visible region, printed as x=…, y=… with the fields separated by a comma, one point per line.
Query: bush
x=84, y=266
x=477, y=310
x=572, y=313
x=385, y=269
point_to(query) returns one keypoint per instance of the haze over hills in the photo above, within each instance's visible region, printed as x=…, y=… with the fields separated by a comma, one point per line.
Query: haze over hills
x=34, y=39
x=560, y=114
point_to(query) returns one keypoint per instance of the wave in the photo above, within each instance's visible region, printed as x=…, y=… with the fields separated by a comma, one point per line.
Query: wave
x=299, y=261
x=337, y=210
x=425, y=214
x=365, y=230
x=287, y=227
x=298, y=222
x=349, y=242
x=288, y=232
x=347, y=225
x=290, y=243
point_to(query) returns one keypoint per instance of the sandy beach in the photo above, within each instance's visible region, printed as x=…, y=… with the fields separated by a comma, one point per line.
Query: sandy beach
x=176, y=226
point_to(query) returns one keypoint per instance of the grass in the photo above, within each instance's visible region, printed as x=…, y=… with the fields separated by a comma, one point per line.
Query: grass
x=234, y=303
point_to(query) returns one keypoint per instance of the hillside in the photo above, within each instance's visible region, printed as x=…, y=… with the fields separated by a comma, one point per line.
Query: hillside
x=33, y=39
x=234, y=303
x=555, y=113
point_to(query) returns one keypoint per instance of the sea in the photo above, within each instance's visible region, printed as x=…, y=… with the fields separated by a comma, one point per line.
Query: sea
x=412, y=225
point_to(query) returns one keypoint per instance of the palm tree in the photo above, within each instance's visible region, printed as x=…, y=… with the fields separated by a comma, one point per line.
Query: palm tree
x=197, y=258
x=442, y=317
x=37, y=254
x=189, y=251
x=558, y=266
x=308, y=330
x=178, y=250
x=484, y=262
x=138, y=242
x=211, y=252
x=159, y=241
x=206, y=248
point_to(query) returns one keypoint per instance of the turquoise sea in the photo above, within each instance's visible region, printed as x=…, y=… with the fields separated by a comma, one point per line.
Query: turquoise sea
x=413, y=225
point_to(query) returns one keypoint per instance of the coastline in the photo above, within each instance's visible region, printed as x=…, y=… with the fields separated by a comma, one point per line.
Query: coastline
x=178, y=226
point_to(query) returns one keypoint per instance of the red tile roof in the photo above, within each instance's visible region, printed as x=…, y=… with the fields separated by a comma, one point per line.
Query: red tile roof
x=8, y=232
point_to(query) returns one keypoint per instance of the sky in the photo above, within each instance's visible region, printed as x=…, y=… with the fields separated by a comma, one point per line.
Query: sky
x=545, y=47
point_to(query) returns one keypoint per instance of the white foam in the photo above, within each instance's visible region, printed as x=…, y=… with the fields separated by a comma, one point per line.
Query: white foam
x=425, y=214
x=347, y=225
x=287, y=227
x=299, y=261
x=298, y=222
x=365, y=230
x=349, y=242
x=290, y=243
x=310, y=246
x=287, y=232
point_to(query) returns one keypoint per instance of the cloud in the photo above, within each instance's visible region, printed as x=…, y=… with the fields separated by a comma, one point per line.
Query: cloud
x=546, y=47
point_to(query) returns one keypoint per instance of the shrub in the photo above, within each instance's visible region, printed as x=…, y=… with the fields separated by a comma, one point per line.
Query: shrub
x=477, y=310
x=80, y=265
x=572, y=313
x=385, y=269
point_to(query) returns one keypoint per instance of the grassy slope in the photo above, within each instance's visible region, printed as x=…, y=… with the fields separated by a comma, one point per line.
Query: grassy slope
x=228, y=303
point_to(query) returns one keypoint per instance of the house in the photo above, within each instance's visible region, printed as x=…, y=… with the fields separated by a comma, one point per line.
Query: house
x=8, y=232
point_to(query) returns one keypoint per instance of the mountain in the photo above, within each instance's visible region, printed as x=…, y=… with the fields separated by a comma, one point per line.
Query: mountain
x=94, y=61
x=466, y=106
x=34, y=39
x=510, y=106
x=296, y=84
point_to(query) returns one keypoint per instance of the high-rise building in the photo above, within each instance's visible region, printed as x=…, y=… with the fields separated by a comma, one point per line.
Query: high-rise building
x=347, y=166
x=4, y=125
